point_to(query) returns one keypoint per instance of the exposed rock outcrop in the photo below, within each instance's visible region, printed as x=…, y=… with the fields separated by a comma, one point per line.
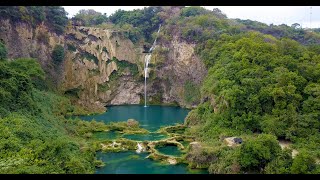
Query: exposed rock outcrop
x=103, y=67
x=181, y=65
x=89, y=67
x=127, y=93
x=233, y=141
x=24, y=41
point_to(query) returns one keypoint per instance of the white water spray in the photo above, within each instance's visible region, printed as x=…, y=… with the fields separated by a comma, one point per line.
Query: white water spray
x=140, y=148
x=146, y=63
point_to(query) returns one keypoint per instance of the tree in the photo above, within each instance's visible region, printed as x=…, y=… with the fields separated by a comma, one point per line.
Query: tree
x=194, y=11
x=56, y=18
x=90, y=17
x=256, y=153
x=295, y=26
x=303, y=163
x=3, y=51
x=58, y=54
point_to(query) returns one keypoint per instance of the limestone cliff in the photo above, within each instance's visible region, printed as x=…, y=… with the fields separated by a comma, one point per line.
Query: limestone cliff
x=182, y=65
x=22, y=40
x=90, y=62
x=103, y=67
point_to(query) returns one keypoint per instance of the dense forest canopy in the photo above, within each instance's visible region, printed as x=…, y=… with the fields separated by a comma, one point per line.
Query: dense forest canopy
x=90, y=17
x=54, y=17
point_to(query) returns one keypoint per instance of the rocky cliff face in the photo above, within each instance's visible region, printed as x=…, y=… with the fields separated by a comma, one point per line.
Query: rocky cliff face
x=94, y=55
x=103, y=67
x=22, y=40
x=181, y=66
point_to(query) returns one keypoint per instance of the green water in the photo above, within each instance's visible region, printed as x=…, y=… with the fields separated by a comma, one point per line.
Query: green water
x=169, y=150
x=145, y=137
x=110, y=135
x=132, y=163
x=151, y=118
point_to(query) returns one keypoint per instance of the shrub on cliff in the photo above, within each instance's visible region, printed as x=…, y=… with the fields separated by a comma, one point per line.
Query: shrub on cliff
x=3, y=51
x=58, y=54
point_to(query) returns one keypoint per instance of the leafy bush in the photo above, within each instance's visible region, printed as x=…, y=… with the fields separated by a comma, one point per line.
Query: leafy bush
x=303, y=163
x=255, y=154
x=71, y=47
x=35, y=137
x=16, y=83
x=281, y=164
x=193, y=11
x=138, y=23
x=3, y=51
x=58, y=54
x=90, y=17
x=55, y=17
x=191, y=93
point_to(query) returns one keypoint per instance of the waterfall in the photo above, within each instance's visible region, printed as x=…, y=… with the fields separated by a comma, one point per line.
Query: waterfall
x=146, y=62
x=140, y=148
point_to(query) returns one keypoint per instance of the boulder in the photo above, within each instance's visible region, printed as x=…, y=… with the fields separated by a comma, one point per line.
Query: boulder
x=233, y=141
x=172, y=161
x=237, y=140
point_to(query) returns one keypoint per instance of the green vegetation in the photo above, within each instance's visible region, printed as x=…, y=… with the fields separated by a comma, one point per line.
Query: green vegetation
x=294, y=31
x=129, y=127
x=91, y=57
x=16, y=84
x=258, y=83
x=197, y=24
x=105, y=50
x=191, y=93
x=138, y=24
x=304, y=163
x=71, y=47
x=3, y=51
x=43, y=37
x=55, y=17
x=58, y=54
x=125, y=66
x=262, y=85
x=90, y=17
x=103, y=87
x=35, y=136
x=256, y=153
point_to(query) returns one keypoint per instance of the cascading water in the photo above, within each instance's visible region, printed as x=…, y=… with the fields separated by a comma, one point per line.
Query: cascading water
x=140, y=148
x=146, y=62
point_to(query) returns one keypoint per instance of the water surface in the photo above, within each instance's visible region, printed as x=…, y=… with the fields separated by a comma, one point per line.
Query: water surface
x=131, y=162
x=150, y=118
x=145, y=137
x=169, y=150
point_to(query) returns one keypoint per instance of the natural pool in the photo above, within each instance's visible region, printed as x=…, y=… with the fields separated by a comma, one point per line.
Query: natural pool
x=131, y=162
x=170, y=150
x=150, y=118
